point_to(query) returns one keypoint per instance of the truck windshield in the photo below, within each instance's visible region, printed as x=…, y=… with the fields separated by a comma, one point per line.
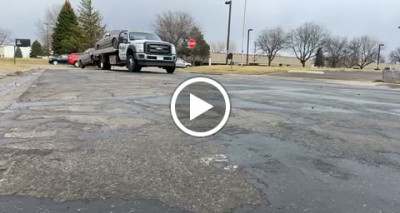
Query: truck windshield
x=143, y=36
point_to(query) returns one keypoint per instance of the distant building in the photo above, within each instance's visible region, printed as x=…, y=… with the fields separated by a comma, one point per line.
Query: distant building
x=7, y=51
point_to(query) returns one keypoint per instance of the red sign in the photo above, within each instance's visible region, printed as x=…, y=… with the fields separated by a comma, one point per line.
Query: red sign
x=192, y=43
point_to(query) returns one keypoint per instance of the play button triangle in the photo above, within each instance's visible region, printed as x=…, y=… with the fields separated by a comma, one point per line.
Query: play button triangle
x=198, y=107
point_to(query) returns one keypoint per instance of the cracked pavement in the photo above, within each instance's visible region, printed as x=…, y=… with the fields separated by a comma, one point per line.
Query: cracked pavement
x=101, y=141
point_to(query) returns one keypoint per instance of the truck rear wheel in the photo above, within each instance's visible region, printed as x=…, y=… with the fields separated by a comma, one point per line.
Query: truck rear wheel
x=170, y=70
x=104, y=63
x=132, y=65
x=105, y=66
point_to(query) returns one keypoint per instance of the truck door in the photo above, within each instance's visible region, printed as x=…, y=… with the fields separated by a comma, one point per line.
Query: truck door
x=123, y=45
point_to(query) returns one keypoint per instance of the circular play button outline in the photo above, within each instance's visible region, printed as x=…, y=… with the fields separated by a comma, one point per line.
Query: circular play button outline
x=207, y=81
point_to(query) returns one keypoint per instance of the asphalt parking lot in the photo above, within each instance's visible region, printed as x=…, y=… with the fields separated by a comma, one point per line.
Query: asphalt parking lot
x=101, y=141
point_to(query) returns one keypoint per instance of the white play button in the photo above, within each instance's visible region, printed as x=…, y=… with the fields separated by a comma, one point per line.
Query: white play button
x=198, y=107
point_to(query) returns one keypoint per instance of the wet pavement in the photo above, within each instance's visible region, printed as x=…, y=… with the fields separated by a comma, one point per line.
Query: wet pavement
x=101, y=141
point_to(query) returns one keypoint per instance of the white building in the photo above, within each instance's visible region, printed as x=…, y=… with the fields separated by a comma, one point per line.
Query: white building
x=7, y=51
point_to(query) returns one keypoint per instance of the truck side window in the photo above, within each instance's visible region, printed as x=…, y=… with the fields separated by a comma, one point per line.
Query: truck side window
x=123, y=37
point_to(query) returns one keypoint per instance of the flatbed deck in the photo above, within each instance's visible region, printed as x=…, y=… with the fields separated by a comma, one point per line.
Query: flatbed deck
x=108, y=50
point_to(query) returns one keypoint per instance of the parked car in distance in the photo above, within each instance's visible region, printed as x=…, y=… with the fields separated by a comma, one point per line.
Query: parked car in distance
x=73, y=59
x=87, y=58
x=58, y=59
x=110, y=39
x=182, y=64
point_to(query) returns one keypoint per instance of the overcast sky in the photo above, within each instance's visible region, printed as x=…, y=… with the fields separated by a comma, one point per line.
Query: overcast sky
x=378, y=18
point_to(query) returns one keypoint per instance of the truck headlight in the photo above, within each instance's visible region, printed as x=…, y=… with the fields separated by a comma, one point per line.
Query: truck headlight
x=173, y=50
x=139, y=48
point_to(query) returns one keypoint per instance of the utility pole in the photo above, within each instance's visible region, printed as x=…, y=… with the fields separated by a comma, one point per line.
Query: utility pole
x=345, y=57
x=248, y=46
x=379, y=55
x=15, y=60
x=244, y=26
x=229, y=29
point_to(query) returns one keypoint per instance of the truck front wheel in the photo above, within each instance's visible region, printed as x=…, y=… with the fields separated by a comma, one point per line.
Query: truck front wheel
x=170, y=70
x=132, y=65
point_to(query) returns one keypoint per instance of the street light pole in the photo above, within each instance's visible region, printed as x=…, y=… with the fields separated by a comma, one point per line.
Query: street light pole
x=248, y=45
x=345, y=57
x=379, y=55
x=244, y=26
x=229, y=29
x=255, y=52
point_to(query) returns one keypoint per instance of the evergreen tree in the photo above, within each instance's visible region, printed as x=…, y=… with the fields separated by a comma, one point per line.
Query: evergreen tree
x=36, y=49
x=18, y=53
x=202, y=49
x=90, y=21
x=320, y=60
x=67, y=36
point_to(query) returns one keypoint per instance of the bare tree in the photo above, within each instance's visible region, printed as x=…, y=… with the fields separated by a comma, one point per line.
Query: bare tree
x=305, y=41
x=349, y=60
x=395, y=56
x=232, y=47
x=364, y=51
x=382, y=59
x=220, y=47
x=271, y=41
x=5, y=36
x=174, y=27
x=217, y=47
x=335, y=50
x=45, y=26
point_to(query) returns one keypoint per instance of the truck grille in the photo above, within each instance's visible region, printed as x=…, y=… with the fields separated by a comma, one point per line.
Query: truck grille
x=158, y=49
